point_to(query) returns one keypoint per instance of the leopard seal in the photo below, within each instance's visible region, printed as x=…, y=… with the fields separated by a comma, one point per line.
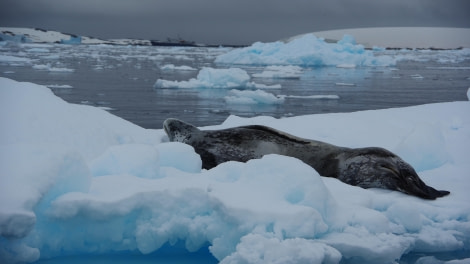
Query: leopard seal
x=370, y=167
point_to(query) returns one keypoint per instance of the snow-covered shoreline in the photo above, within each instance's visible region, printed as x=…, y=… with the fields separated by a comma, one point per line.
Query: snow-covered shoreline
x=77, y=180
x=391, y=37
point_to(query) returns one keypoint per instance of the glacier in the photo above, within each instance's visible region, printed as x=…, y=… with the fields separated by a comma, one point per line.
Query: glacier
x=79, y=181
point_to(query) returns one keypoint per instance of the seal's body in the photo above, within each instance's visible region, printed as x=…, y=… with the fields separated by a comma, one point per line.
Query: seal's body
x=363, y=167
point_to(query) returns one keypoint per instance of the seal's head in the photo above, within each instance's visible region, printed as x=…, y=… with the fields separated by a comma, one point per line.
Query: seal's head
x=380, y=168
x=179, y=131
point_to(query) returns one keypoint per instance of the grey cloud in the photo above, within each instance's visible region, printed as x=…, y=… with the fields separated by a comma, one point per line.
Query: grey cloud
x=227, y=21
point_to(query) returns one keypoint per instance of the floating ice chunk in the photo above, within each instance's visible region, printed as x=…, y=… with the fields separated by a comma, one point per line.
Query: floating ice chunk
x=307, y=50
x=224, y=78
x=41, y=67
x=60, y=86
x=280, y=72
x=416, y=76
x=53, y=69
x=38, y=50
x=7, y=58
x=213, y=78
x=327, y=96
x=252, y=97
x=468, y=94
x=106, y=108
x=344, y=84
x=165, y=84
x=48, y=67
x=172, y=67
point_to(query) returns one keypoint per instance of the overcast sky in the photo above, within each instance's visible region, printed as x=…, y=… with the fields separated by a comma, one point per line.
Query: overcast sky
x=226, y=21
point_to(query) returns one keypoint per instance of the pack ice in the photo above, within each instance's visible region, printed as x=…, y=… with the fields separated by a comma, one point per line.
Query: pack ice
x=78, y=181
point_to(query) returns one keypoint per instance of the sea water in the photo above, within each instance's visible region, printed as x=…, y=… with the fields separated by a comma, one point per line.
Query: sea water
x=121, y=80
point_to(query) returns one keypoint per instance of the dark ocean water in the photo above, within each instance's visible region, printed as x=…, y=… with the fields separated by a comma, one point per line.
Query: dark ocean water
x=121, y=79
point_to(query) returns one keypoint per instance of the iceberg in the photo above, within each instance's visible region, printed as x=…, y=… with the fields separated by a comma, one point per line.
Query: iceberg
x=79, y=181
x=306, y=51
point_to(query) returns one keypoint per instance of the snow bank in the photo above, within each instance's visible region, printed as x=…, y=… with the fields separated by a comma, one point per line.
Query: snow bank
x=307, y=50
x=214, y=78
x=77, y=180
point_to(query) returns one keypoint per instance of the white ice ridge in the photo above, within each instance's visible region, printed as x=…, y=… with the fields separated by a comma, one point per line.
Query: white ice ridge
x=77, y=180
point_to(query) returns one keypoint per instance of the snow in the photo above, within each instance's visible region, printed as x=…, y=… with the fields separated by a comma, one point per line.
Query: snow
x=404, y=37
x=305, y=51
x=215, y=78
x=47, y=36
x=77, y=180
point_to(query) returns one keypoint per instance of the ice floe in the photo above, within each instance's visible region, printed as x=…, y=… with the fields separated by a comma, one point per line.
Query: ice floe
x=77, y=180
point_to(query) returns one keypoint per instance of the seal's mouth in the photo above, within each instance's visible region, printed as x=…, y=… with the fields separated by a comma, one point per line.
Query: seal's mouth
x=413, y=185
x=165, y=127
x=167, y=130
